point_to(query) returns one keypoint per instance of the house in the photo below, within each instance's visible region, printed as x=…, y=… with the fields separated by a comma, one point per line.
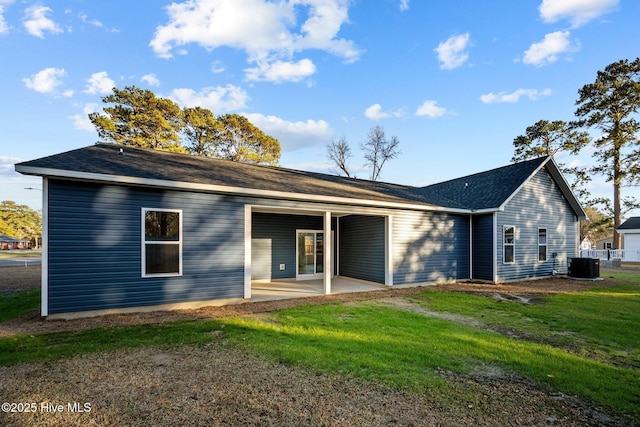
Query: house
x=9, y=243
x=630, y=230
x=128, y=229
x=607, y=243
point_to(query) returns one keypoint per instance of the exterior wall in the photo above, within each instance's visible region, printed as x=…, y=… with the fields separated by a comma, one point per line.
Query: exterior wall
x=362, y=247
x=94, y=252
x=430, y=247
x=483, y=238
x=277, y=234
x=539, y=204
x=632, y=242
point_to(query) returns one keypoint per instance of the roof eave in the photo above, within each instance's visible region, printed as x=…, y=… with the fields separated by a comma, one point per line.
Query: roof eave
x=223, y=189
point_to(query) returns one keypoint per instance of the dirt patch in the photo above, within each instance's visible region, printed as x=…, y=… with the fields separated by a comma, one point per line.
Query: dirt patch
x=19, y=278
x=220, y=385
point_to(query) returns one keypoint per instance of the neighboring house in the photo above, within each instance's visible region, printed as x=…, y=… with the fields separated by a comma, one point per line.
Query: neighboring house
x=125, y=228
x=630, y=230
x=8, y=243
x=607, y=243
x=586, y=244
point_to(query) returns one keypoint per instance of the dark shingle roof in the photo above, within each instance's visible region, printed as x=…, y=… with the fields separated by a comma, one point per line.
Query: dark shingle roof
x=484, y=190
x=103, y=159
x=632, y=223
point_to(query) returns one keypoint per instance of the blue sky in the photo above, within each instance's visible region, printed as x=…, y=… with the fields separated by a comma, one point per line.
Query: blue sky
x=454, y=81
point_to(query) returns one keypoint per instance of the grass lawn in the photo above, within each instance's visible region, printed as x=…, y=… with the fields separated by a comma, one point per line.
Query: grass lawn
x=20, y=254
x=584, y=344
x=14, y=305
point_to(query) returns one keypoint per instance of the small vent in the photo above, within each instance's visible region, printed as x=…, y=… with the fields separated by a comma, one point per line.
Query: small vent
x=121, y=152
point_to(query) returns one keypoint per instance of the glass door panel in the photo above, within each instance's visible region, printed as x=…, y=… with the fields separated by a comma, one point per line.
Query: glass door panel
x=306, y=258
x=319, y=253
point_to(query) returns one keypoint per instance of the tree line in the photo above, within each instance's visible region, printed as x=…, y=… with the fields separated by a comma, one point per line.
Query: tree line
x=609, y=105
x=20, y=221
x=137, y=117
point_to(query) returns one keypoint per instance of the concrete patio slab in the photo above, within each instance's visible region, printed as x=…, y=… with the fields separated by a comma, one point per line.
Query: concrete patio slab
x=285, y=289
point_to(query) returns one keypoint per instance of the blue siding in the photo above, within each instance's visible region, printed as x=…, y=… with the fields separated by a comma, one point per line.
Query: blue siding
x=539, y=204
x=95, y=247
x=429, y=247
x=362, y=247
x=280, y=231
x=483, y=247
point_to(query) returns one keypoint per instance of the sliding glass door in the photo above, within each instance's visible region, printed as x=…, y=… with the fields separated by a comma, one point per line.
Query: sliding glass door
x=310, y=253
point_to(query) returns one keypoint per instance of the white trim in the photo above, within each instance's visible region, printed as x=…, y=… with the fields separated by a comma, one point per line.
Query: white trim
x=44, y=281
x=629, y=231
x=247, y=250
x=144, y=242
x=328, y=251
x=495, y=247
x=546, y=244
x=388, y=254
x=223, y=189
x=504, y=227
x=337, y=246
x=470, y=247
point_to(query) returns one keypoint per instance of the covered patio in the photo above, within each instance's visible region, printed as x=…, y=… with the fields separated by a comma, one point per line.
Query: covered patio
x=262, y=290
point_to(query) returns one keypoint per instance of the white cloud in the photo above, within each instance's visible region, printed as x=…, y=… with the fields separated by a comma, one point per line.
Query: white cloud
x=219, y=99
x=217, y=67
x=431, y=110
x=151, y=80
x=4, y=27
x=547, y=51
x=452, y=53
x=99, y=83
x=375, y=112
x=267, y=31
x=84, y=18
x=578, y=12
x=280, y=71
x=503, y=97
x=293, y=135
x=404, y=5
x=45, y=81
x=81, y=121
x=36, y=21
x=7, y=164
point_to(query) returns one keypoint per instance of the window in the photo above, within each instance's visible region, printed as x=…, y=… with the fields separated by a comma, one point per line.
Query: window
x=542, y=244
x=509, y=244
x=161, y=242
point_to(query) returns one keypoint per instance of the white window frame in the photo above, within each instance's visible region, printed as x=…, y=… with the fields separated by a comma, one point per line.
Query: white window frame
x=545, y=244
x=144, y=243
x=504, y=244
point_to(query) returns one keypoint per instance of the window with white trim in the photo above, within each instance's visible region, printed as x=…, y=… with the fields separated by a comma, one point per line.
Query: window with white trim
x=542, y=244
x=161, y=242
x=509, y=244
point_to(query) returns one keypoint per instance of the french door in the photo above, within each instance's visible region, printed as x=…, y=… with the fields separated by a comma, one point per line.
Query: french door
x=310, y=254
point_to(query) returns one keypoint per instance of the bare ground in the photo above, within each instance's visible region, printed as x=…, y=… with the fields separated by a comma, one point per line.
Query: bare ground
x=220, y=385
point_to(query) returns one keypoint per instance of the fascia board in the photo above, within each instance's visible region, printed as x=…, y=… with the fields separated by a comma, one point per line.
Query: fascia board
x=223, y=189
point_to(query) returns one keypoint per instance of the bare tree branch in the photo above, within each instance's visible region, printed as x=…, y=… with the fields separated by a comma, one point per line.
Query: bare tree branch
x=339, y=153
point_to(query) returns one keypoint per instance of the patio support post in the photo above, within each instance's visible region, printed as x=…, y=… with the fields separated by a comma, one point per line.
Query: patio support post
x=327, y=249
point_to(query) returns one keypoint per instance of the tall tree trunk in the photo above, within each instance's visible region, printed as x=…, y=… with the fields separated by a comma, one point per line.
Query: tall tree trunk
x=617, y=178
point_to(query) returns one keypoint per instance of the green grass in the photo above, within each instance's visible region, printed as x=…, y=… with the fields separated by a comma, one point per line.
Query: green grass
x=602, y=323
x=54, y=346
x=584, y=344
x=406, y=349
x=26, y=254
x=14, y=305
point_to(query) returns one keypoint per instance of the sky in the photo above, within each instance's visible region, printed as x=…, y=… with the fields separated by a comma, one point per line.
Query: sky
x=454, y=81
